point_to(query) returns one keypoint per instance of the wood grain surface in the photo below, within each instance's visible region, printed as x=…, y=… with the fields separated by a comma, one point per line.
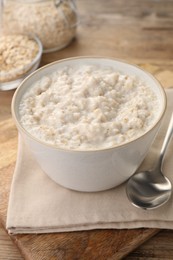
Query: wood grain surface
x=138, y=31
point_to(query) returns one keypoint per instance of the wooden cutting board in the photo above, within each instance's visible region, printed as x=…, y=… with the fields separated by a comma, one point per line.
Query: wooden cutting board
x=95, y=244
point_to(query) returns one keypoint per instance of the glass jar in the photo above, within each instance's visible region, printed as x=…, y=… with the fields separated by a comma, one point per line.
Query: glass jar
x=54, y=22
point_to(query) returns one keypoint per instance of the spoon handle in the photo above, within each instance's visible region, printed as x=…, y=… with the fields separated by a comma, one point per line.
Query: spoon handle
x=166, y=142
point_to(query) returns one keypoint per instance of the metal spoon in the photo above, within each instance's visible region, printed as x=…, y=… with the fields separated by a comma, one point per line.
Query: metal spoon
x=151, y=189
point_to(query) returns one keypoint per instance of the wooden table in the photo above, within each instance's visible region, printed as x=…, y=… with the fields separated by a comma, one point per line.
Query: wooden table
x=138, y=31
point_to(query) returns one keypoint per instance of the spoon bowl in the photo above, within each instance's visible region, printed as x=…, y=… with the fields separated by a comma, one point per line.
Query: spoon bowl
x=151, y=189
x=146, y=192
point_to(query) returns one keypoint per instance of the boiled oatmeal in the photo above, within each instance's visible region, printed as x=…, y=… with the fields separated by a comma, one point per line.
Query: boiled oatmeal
x=88, y=108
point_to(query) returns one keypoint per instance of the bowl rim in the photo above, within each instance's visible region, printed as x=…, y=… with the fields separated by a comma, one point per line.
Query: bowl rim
x=23, y=130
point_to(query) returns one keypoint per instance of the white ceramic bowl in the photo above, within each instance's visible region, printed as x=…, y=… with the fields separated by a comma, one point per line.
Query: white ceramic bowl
x=90, y=170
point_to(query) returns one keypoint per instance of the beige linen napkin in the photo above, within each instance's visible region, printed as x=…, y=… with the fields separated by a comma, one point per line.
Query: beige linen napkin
x=39, y=205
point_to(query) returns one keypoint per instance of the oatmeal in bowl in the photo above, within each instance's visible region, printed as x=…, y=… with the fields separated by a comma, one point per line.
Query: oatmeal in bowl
x=89, y=121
